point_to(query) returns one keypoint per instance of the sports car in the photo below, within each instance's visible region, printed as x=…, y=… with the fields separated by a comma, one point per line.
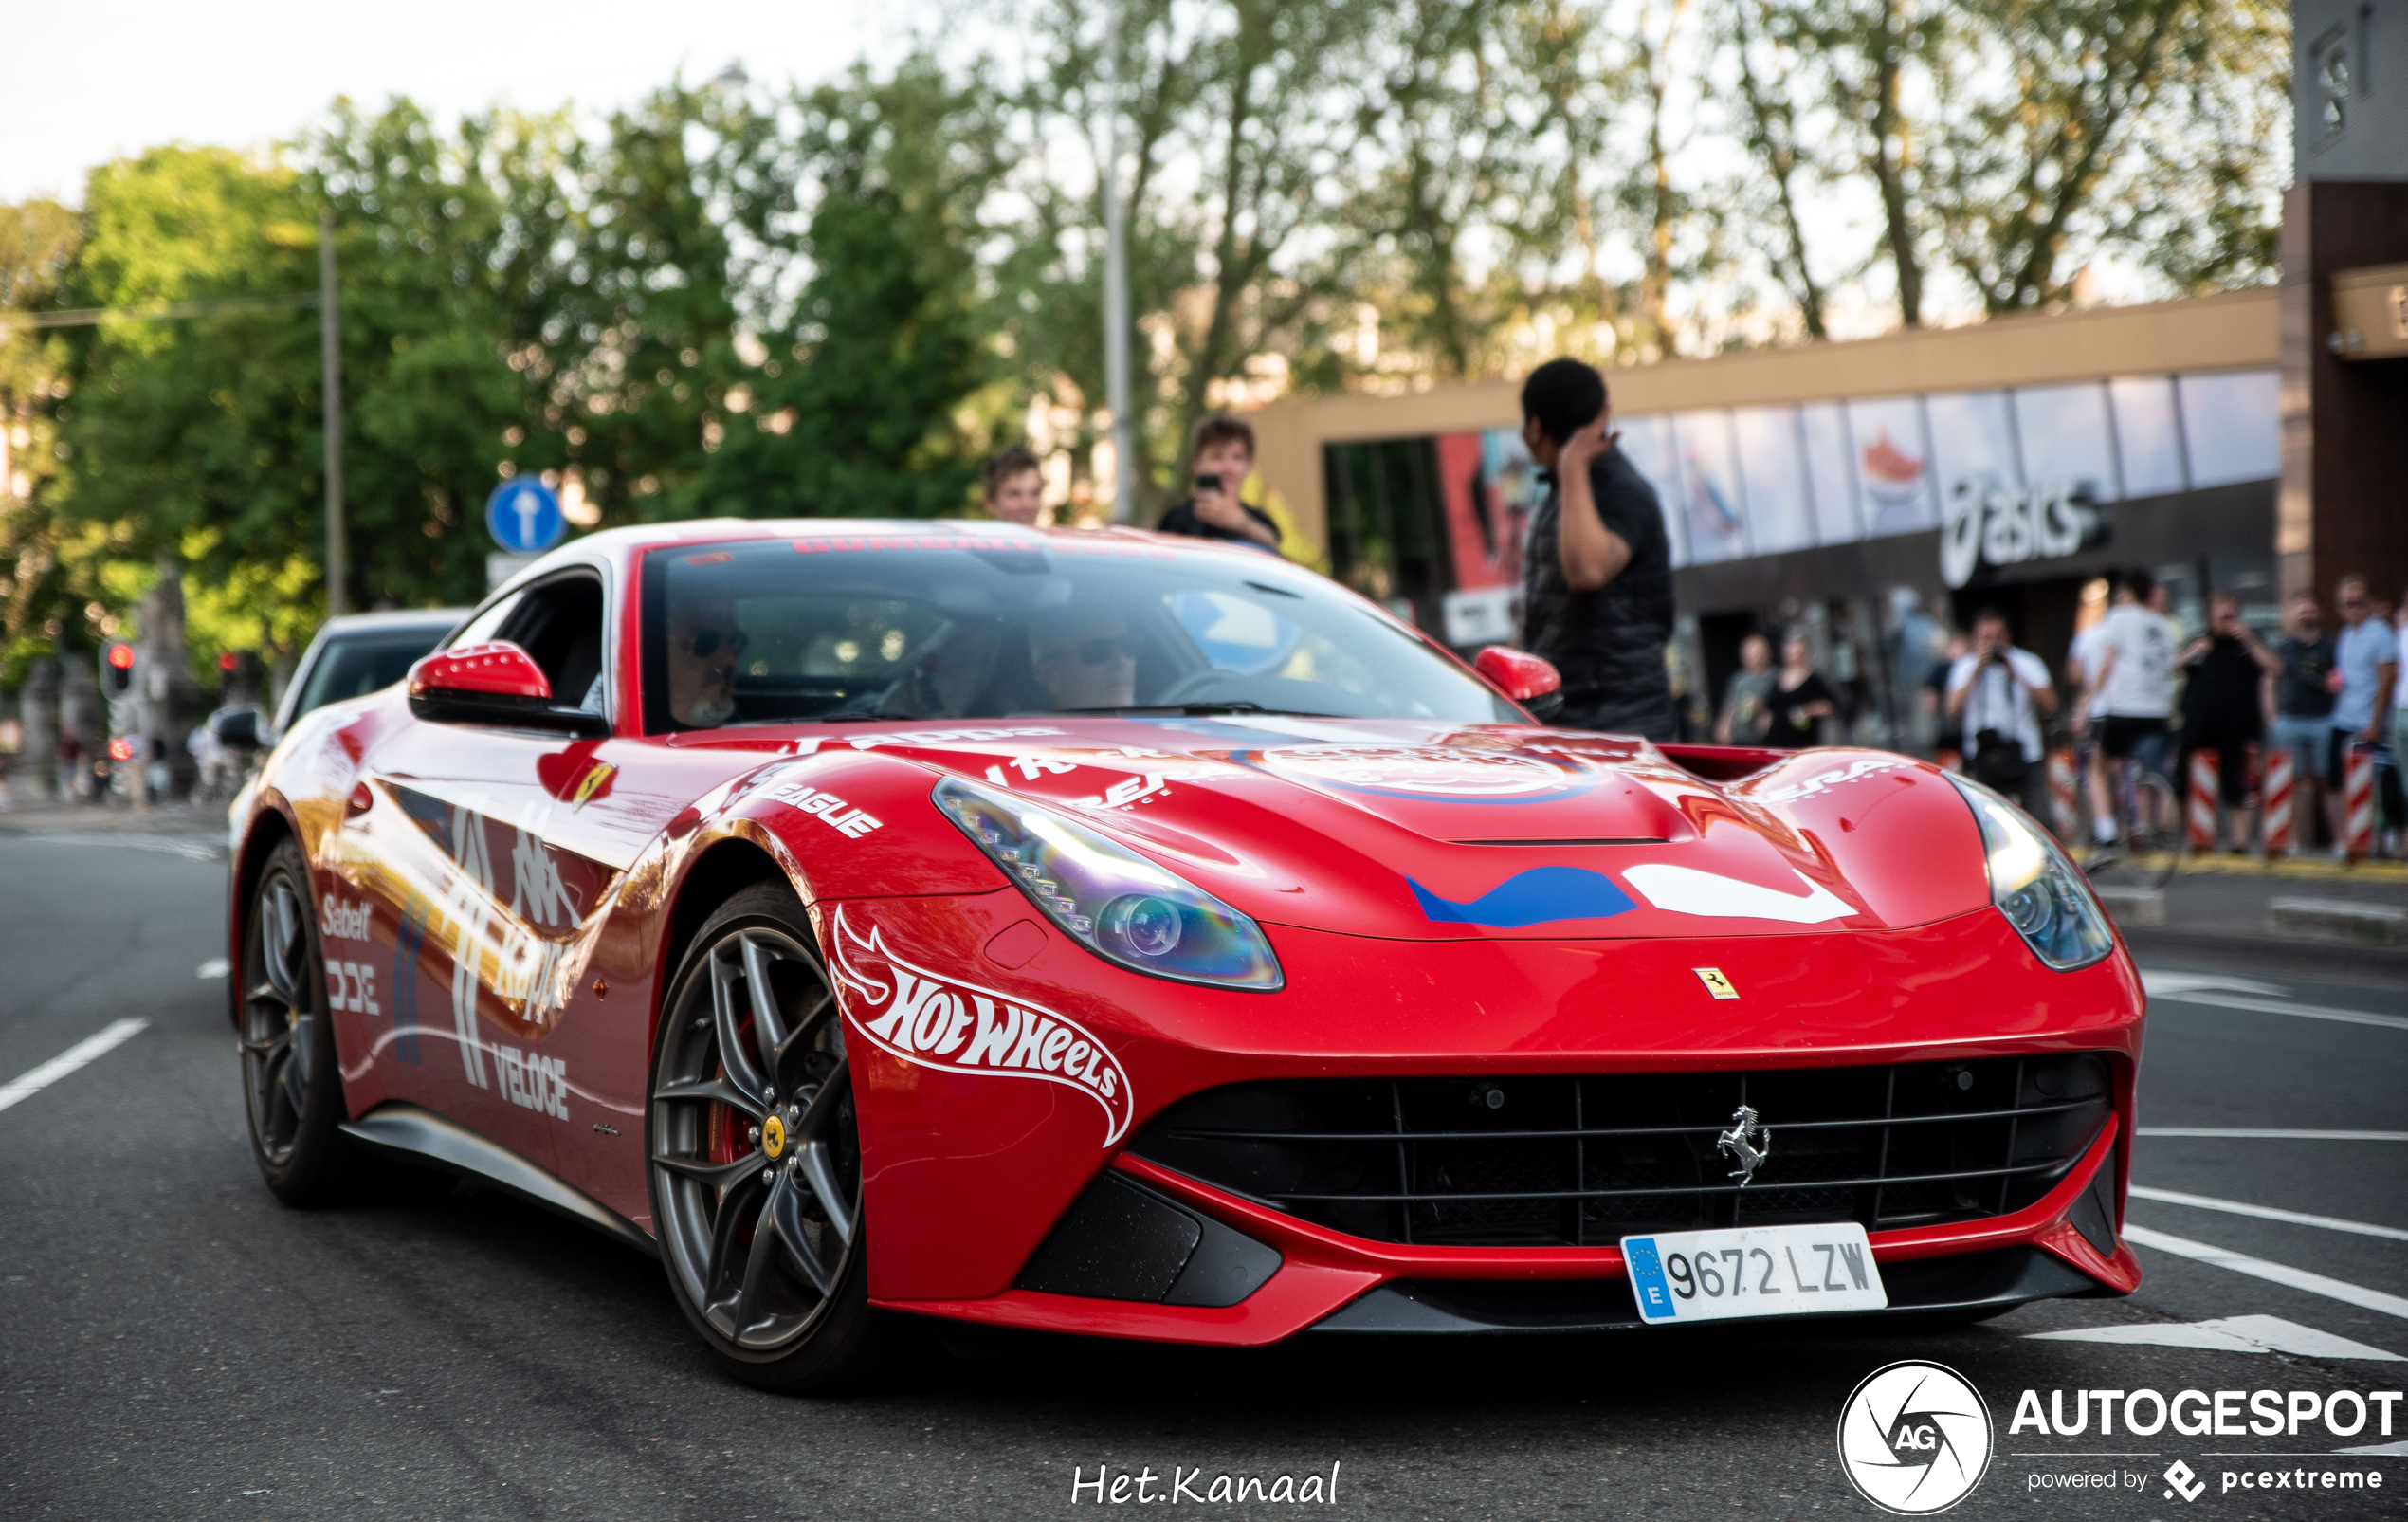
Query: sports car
x=1092, y=932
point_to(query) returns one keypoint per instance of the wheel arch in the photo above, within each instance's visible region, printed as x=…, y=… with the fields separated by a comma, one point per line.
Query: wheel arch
x=269, y=829
x=723, y=868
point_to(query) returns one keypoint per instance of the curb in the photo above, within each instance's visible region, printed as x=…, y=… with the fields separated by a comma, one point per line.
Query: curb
x=2303, y=958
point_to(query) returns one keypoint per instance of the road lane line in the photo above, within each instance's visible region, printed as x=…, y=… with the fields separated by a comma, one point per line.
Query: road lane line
x=2201, y=1201
x=2390, y=1305
x=72, y=1058
x=2258, y=1133
x=2271, y=1006
x=190, y=849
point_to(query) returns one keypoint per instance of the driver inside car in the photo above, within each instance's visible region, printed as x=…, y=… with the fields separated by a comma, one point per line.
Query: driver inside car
x=1085, y=659
x=703, y=643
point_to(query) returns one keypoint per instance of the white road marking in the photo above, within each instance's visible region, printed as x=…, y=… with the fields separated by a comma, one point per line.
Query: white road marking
x=67, y=1061
x=169, y=845
x=215, y=967
x=2282, y=1274
x=2228, y=1334
x=2259, y=1133
x=2274, y=1006
x=2164, y=984
x=2201, y=1201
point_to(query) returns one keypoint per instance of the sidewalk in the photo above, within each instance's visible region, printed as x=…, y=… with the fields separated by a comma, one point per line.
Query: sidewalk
x=2224, y=907
x=55, y=818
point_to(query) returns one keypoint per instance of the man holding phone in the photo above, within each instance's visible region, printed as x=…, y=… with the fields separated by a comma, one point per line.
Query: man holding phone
x=1221, y=455
x=1596, y=563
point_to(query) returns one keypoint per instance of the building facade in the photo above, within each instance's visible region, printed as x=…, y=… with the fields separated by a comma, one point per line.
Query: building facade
x=1868, y=494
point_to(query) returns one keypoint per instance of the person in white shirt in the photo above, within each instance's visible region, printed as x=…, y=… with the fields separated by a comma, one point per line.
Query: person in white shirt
x=2131, y=692
x=1999, y=693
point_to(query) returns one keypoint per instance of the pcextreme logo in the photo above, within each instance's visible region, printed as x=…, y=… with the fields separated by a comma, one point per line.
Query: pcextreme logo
x=1915, y=1437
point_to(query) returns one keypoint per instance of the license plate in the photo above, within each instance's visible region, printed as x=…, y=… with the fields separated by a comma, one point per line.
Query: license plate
x=1753, y=1270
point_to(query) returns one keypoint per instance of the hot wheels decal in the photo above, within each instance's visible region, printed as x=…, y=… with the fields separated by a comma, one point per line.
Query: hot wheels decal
x=957, y=1026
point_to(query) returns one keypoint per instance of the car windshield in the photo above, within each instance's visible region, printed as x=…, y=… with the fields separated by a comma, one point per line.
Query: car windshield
x=354, y=665
x=962, y=626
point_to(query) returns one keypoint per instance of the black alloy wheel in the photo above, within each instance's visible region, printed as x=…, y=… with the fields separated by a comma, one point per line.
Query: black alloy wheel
x=756, y=1153
x=292, y=1088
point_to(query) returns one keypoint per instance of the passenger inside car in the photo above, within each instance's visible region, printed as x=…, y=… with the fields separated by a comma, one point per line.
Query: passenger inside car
x=704, y=644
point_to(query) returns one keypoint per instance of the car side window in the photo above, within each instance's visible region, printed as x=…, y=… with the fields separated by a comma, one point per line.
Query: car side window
x=560, y=624
x=484, y=627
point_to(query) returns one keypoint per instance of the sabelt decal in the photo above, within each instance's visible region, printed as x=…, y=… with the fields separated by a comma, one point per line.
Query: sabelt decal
x=345, y=921
x=954, y=1026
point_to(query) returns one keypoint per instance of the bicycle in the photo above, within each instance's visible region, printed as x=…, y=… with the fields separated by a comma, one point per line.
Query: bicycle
x=2149, y=831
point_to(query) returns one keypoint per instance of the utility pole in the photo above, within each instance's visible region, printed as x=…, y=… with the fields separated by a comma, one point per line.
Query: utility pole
x=331, y=367
x=1116, y=282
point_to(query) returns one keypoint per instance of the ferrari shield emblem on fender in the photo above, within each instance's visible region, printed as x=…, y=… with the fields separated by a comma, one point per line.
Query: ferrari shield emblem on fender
x=599, y=773
x=1715, y=983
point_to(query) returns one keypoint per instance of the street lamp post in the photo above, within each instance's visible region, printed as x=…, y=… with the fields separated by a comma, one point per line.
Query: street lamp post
x=1116, y=282
x=331, y=378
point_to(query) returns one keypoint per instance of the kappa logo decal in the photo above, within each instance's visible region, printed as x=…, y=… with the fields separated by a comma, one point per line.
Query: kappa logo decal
x=954, y=1026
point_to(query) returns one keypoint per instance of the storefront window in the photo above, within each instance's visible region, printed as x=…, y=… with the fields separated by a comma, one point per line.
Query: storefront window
x=2149, y=439
x=2065, y=437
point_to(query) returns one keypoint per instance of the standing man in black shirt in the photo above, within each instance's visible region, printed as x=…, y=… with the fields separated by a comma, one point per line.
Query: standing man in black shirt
x=1596, y=568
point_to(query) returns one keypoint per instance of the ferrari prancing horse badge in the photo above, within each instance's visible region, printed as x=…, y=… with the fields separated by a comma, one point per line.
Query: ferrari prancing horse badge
x=1715, y=983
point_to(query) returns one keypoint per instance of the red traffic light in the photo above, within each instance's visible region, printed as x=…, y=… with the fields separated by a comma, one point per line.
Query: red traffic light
x=226, y=660
x=122, y=657
x=120, y=749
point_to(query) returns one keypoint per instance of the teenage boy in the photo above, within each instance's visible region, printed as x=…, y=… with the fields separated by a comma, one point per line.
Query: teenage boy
x=1220, y=457
x=1015, y=486
x=1597, y=565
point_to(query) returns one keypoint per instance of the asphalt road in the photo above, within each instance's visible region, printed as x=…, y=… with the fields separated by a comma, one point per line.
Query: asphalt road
x=173, y=1343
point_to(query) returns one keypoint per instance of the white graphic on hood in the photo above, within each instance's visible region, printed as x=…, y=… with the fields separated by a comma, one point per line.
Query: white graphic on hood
x=1710, y=895
x=1434, y=770
x=1825, y=782
x=943, y=1022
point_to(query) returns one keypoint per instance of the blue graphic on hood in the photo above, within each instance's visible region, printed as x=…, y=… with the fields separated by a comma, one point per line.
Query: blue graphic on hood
x=1535, y=897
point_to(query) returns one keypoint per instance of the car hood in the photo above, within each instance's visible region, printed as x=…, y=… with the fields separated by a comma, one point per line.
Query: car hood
x=1420, y=830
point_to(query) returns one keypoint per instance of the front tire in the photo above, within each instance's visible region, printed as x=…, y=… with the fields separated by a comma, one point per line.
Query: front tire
x=292, y=1082
x=756, y=1155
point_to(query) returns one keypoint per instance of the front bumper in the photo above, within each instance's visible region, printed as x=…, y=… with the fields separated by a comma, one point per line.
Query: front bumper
x=967, y=1174
x=1333, y=1283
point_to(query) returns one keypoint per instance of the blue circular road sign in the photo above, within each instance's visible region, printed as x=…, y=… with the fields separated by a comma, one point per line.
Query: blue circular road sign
x=524, y=516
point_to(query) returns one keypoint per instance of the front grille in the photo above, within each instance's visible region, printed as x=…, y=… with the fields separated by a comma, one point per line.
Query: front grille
x=1575, y=1162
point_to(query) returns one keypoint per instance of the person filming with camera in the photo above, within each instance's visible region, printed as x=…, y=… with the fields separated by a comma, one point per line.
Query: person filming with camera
x=2002, y=693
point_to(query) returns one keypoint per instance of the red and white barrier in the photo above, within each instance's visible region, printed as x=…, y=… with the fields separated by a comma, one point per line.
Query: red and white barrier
x=2063, y=793
x=2205, y=769
x=2279, y=768
x=2358, y=802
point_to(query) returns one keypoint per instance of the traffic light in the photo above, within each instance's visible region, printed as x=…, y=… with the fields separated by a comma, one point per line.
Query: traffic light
x=117, y=670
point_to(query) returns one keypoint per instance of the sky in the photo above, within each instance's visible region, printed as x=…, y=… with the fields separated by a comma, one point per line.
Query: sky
x=91, y=79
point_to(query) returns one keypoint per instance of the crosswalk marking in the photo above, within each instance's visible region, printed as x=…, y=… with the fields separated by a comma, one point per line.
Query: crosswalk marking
x=2227, y=1334
x=67, y=1061
x=2234, y=1208
x=2259, y=1133
x=2282, y=1274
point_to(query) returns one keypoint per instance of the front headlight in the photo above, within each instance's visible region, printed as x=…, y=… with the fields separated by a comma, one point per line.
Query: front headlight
x=1111, y=900
x=2034, y=885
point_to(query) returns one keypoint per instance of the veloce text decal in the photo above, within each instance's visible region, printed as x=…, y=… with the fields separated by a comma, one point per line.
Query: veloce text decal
x=954, y=1026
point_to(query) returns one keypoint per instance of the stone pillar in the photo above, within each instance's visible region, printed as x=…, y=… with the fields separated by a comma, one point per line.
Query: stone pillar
x=84, y=714
x=172, y=701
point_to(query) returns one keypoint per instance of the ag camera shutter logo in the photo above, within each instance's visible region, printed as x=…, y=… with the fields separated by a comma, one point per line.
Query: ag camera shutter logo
x=1915, y=1437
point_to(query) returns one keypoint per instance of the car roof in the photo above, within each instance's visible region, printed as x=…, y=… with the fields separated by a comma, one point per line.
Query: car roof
x=354, y=623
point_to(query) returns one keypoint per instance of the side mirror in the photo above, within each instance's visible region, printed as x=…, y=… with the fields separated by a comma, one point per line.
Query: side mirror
x=1529, y=680
x=496, y=683
x=237, y=729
